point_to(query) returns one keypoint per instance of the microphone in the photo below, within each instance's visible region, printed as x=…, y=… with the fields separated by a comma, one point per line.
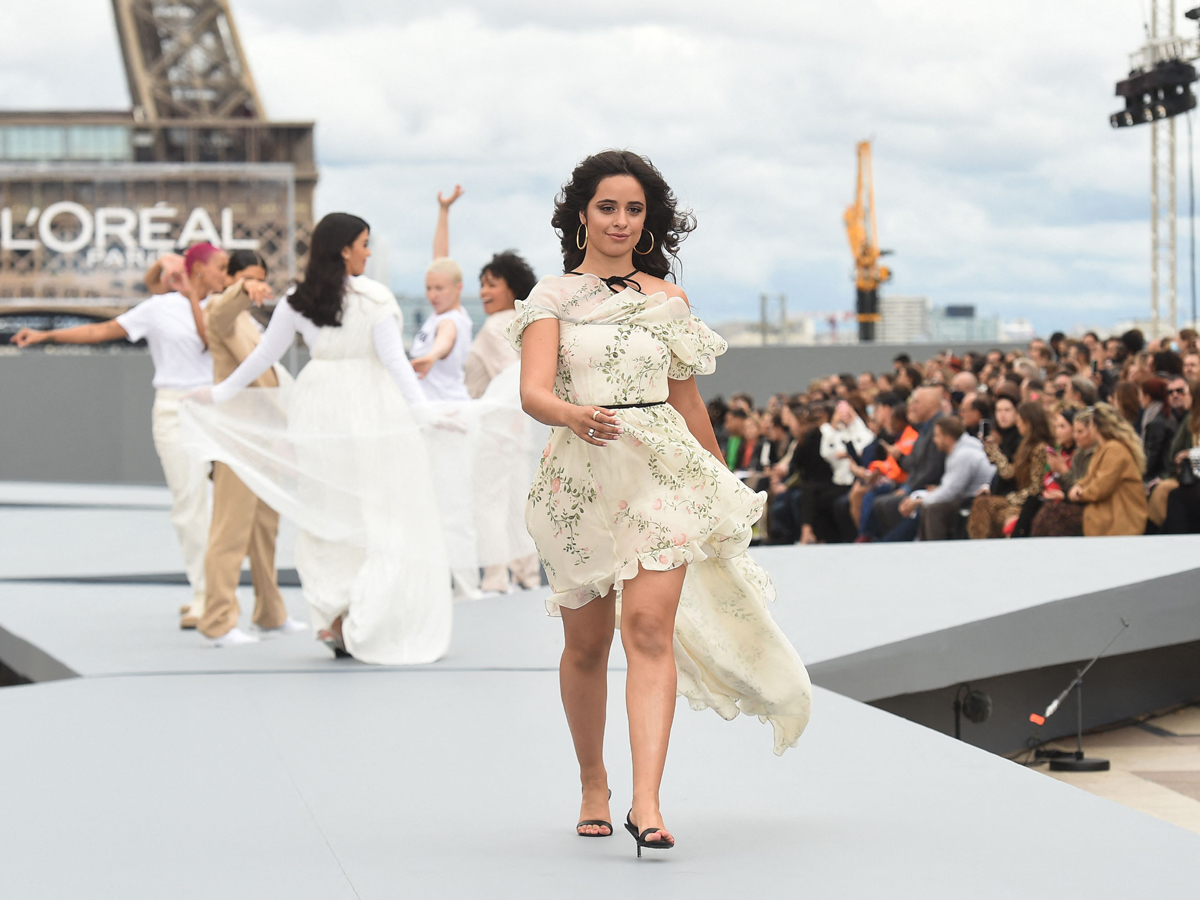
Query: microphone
x=1053, y=707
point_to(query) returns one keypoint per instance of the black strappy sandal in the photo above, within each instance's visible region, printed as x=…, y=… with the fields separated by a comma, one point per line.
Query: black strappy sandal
x=599, y=822
x=641, y=838
x=334, y=642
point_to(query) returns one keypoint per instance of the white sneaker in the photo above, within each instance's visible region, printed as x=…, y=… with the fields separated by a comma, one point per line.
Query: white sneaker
x=511, y=589
x=289, y=626
x=232, y=638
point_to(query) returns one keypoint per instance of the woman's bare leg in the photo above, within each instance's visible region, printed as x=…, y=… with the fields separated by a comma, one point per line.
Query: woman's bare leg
x=583, y=680
x=648, y=605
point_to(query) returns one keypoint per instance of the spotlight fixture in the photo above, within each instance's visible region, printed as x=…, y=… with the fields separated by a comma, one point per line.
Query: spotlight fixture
x=974, y=704
x=1157, y=93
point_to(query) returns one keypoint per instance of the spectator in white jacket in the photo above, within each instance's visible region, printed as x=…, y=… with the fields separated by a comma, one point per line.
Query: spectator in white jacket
x=967, y=471
x=843, y=438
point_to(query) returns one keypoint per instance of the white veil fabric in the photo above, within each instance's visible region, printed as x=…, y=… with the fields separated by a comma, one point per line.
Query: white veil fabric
x=460, y=470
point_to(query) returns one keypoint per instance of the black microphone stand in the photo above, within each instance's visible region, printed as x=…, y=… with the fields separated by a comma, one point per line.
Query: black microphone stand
x=1077, y=762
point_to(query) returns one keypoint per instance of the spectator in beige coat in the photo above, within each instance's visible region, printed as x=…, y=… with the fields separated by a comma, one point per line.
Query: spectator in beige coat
x=1112, y=490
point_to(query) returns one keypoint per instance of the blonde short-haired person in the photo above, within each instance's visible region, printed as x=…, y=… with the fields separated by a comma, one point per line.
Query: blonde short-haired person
x=440, y=348
x=173, y=325
x=503, y=281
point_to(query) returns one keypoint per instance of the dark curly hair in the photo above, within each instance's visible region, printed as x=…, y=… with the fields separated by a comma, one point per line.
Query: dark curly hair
x=515, y=272
x=319, y=296
x=667, y=225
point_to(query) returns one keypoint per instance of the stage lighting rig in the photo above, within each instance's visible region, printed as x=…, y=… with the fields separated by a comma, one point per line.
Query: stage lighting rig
x=1162, y=92
x=1156, y=91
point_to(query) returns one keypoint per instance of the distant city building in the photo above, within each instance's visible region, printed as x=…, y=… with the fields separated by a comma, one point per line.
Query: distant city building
x=903, y=320
x=1018, y=331
x=956, y=324
x=800, y=331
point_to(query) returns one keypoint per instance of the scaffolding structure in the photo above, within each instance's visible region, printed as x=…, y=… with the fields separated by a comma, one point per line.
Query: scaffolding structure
x=1163, y=199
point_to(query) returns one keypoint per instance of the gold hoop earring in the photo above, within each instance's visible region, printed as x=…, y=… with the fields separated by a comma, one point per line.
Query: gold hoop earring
x=580, y=243
x=648, y=251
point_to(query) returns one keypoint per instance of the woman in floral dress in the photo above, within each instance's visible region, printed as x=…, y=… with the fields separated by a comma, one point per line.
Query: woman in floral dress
x=637, y=520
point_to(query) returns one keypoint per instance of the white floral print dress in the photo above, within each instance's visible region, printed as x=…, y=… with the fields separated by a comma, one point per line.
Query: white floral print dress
x=656, y=498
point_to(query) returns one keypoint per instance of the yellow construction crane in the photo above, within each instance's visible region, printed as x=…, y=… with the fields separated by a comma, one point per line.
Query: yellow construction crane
x=864, y=245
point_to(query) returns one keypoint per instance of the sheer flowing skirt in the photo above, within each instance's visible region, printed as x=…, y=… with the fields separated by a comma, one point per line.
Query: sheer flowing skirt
x=656, y=499
x=341, y=454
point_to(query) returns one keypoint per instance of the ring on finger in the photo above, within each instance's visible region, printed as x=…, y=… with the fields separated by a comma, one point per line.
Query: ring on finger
x=591, y=432
x=595, y=413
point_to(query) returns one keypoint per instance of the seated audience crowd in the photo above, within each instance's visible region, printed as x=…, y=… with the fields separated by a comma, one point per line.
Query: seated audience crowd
x=1072, y=437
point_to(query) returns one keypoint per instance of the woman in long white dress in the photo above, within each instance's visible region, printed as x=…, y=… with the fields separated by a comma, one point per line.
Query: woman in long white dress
x=341, y=454
x=637, y=520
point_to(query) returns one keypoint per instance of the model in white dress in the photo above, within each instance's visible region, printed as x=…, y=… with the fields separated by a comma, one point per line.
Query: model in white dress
x=655, y=499
x=341, y=454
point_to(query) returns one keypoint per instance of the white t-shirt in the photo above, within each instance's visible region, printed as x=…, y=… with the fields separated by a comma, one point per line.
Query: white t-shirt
x=181, y=361
x=444, y=380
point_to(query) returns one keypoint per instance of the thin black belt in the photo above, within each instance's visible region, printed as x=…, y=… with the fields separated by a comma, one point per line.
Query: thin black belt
x=630, y=405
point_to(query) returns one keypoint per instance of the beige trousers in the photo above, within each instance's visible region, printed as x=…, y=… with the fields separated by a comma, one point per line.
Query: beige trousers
x=187, y=480
x=525, y=572
x=241, y=524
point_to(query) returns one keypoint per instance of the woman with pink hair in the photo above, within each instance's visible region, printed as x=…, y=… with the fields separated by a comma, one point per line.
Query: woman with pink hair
x=172, y=324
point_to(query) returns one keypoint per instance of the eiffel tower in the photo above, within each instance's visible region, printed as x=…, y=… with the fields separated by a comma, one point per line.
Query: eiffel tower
x=195, y=136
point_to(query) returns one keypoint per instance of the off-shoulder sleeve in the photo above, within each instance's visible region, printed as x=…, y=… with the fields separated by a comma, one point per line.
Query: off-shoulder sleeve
x=694, y=346
x=542, y=303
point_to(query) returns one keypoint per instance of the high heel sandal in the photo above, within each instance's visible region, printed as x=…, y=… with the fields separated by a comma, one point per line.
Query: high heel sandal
x=600, y=822
x=334, y=642
x=641, y=838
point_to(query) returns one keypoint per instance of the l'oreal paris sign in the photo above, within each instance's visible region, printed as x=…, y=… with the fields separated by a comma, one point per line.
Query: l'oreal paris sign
x=118, y=237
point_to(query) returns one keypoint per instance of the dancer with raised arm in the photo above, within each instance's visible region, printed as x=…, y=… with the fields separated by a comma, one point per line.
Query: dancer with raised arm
x=342, y=455
x=172, y=322
x=440, y=348
x=637, y=520
x=499, y=489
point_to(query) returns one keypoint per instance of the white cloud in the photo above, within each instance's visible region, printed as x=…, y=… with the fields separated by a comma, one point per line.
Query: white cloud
x=998, y=179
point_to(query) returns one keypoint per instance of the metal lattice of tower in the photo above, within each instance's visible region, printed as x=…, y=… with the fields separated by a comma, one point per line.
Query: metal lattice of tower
x=1163, y=269
x=184, y=60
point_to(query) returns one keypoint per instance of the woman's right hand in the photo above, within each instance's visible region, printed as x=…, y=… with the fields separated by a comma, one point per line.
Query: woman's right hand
x=27, y=337
x=1179, y=457
x=602, y=423
x=992, y=440
x=447, y=202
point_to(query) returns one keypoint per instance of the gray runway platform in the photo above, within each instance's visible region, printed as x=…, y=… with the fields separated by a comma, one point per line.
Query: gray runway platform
x=170, y=770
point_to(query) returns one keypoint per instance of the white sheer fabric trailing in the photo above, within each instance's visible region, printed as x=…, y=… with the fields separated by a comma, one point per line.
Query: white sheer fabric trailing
x=381, y=489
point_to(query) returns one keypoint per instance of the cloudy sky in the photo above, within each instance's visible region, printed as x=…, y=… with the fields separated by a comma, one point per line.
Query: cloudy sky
x=999, y=181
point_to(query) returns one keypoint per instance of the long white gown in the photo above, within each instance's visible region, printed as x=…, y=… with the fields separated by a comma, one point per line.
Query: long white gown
x=342, y=455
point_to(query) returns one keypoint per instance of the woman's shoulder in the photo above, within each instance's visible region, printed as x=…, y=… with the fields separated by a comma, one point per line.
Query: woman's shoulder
x=371, y=289
x=652, y=284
